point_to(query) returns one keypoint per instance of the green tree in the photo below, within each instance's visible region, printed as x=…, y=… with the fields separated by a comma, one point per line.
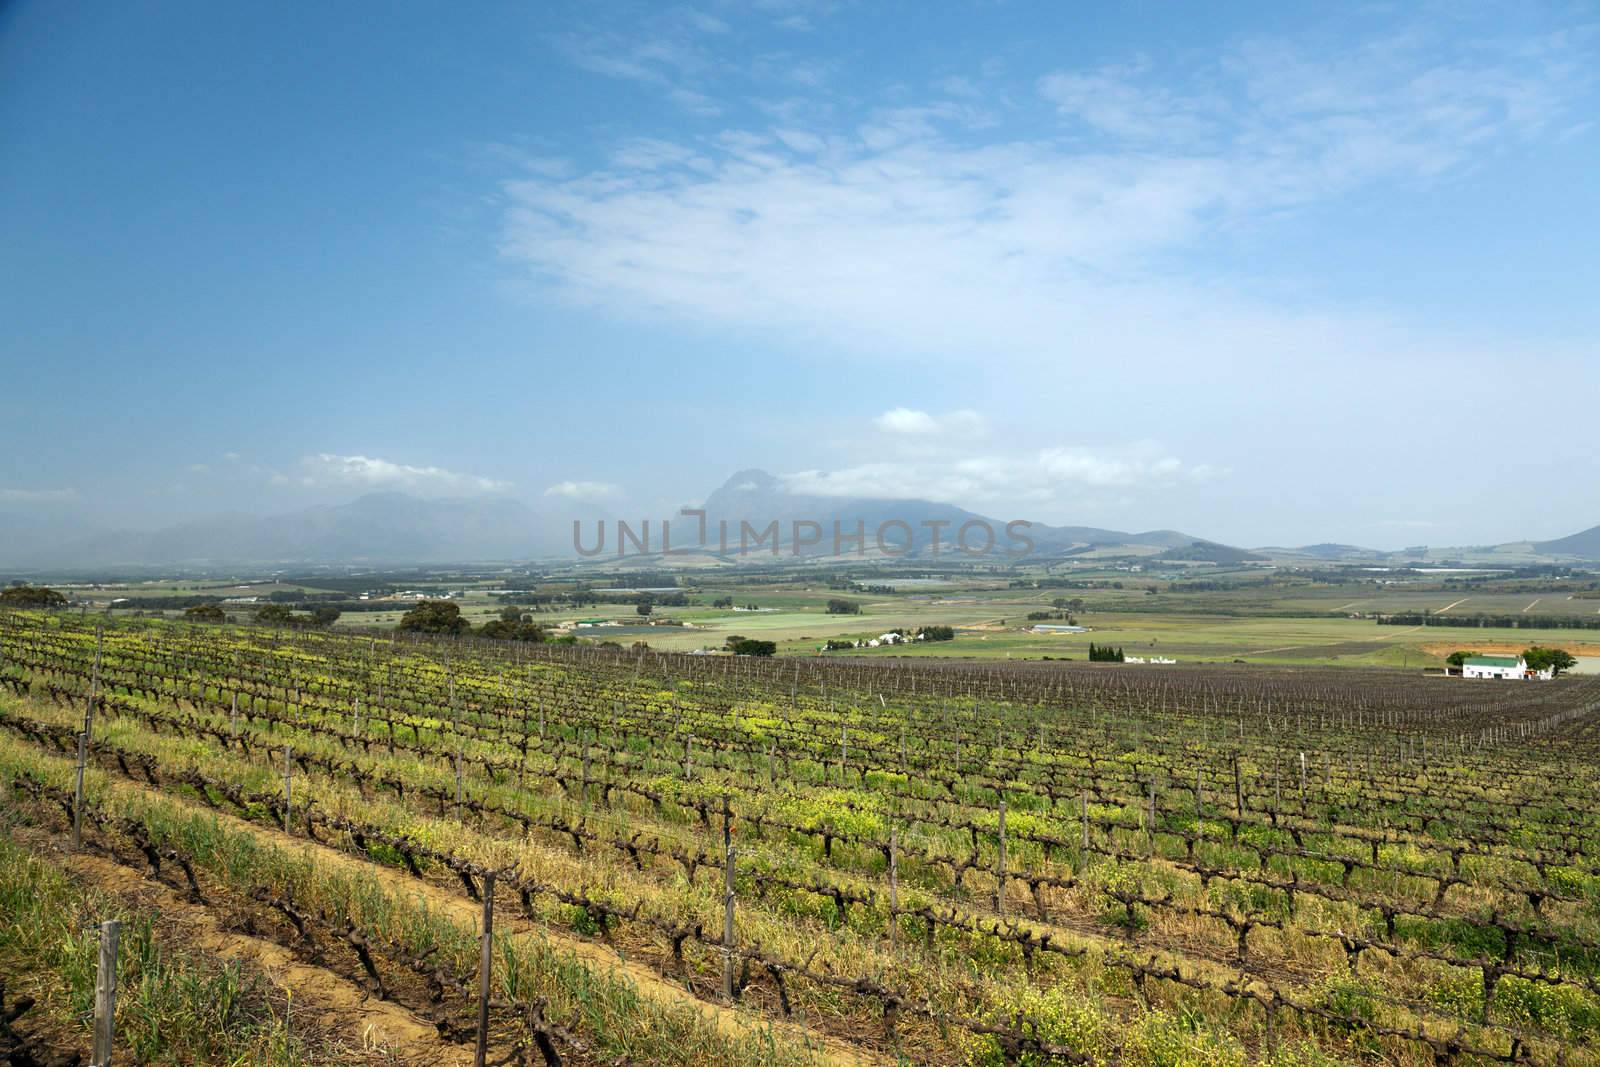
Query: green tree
x=1459, y=657
x=205, y=613
x=644, y=607
x=274, y=615
x=840, y=606
x=1539, y=658
x=749, y=647
x=434, y=617
x=31, y=596
x=503, y=629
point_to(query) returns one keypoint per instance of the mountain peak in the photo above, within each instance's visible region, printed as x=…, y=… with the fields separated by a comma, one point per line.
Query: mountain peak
x=751, y=480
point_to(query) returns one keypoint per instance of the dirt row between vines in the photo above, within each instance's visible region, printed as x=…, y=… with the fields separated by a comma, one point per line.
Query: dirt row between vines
x=830, y=1051
x=330, y=1004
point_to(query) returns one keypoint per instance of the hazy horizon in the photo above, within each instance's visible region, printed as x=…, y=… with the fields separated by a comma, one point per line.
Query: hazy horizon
x=1270, y=277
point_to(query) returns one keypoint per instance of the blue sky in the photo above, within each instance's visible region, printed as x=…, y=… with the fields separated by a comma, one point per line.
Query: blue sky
x=1266, y=273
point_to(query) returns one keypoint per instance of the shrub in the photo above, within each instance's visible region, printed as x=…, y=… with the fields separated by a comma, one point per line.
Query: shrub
x=433, y=617
x=31, y=596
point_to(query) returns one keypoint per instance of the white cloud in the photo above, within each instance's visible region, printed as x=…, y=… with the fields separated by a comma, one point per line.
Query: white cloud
x=582, y=490
x=1050, y=475
x=231, y=457
x=908, y=421
x=37, y=496
x=1140, y=465
x=328, y=471
x=926, y=231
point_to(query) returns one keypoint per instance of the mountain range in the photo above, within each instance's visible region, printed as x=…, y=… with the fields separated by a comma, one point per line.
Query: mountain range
x=1585, y=544
x=383, y=527
x=394, y=527
x=757, y=497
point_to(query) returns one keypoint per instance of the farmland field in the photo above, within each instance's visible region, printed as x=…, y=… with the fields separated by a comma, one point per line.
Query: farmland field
x=814, y=860
x=1289, y=614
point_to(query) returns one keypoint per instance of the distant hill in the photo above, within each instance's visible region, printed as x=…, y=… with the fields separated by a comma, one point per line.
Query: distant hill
x=1208, y=552
x=1585, y=545
x=759, y=498
x=24, y=537
x=385, y=527
x=1333, y=550
x=393, y=527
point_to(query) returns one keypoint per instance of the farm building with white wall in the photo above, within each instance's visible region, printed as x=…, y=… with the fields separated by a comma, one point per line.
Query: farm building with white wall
x=1502, y=667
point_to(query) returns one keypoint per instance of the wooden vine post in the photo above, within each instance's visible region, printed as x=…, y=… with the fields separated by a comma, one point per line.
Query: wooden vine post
x=77, y=790
x=1000, y=864
x=727, y=900
x=894, y=881
x=288, y=789
x=83, y=742
x=485, y=971
x=458, y=779
x=1238, y=788
x=844, y=752
x=105, y=994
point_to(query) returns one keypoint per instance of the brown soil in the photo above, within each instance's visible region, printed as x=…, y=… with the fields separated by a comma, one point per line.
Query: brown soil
x=329, y=1004
x=1444, y=648
x=731, y=1022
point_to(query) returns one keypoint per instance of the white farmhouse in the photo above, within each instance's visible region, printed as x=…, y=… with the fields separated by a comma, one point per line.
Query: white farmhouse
x=1502, y=667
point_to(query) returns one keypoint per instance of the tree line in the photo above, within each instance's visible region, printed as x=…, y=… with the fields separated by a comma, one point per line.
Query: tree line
x=1508, y=622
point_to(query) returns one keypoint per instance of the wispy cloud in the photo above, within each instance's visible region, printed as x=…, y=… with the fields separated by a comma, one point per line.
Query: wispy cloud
x=668, y=50
x=920, y=423
x=1050, y=475
x=582, y=490
x=1112, y=101
x=328, y=471
x=931, y=229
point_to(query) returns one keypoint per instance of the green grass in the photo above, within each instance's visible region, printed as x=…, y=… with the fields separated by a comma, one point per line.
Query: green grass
x=173, y=1006
x=605, y=1007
